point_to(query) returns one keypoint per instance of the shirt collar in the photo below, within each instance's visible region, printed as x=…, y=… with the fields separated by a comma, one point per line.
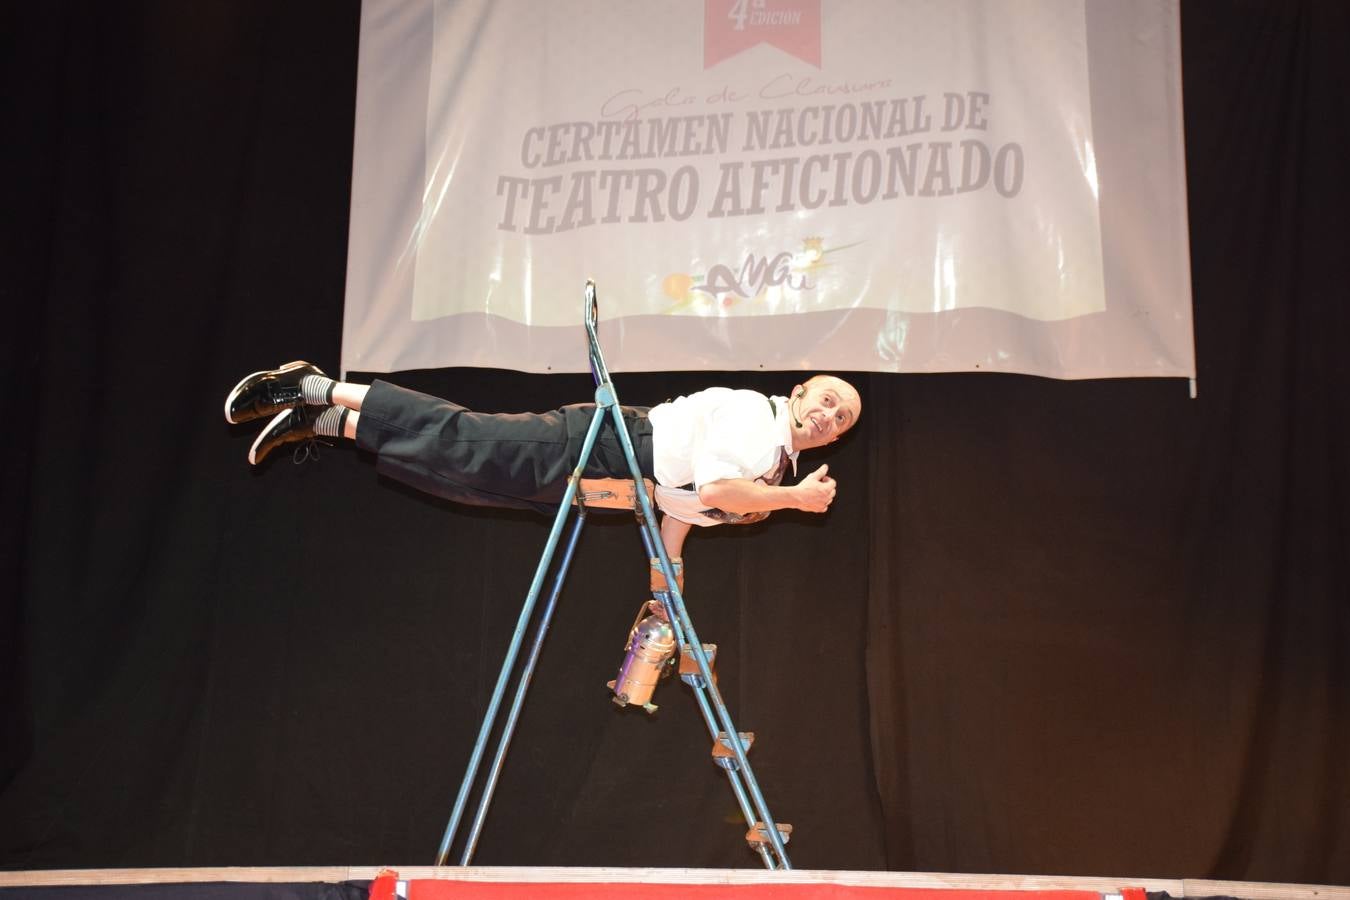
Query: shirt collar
x=783, y=423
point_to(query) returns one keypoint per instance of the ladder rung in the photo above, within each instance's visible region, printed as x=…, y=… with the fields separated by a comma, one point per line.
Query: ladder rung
x=760, y=835
x=722, y=753
x=610, y=493
x=689, y=665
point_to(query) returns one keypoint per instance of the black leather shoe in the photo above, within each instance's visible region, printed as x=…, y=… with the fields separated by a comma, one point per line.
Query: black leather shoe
x=268, y=393
x=288, y=427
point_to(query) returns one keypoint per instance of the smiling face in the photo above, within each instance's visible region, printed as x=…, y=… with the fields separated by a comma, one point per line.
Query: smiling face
x=827, y=407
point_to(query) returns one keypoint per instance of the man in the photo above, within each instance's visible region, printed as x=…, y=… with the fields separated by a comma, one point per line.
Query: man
x=717, y=456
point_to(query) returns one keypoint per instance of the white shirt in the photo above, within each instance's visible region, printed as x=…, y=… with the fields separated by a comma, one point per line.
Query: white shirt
x=712, y=435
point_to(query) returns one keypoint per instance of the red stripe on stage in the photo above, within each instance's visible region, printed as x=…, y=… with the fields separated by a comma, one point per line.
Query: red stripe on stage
x=436, y=889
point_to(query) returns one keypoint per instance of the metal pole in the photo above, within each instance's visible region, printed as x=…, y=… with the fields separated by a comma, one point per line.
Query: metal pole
x=696, y=648
x=490, y=716
x=504, y=742
x=676, y=601
x=708, y=719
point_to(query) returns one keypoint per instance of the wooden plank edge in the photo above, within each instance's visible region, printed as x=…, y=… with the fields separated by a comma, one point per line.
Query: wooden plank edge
x=1190, y=887
x=254, y=874
x=1261, y=890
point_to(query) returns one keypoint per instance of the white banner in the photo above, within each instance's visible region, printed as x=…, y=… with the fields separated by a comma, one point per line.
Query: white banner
x=951, y=185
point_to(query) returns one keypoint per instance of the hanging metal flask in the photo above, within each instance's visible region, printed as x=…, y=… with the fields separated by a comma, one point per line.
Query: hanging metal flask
x=651, y=645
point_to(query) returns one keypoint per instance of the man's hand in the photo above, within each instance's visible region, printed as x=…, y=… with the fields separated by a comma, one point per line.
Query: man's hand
x=815, y=492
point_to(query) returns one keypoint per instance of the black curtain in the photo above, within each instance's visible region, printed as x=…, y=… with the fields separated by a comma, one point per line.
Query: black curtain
x=1048, y=627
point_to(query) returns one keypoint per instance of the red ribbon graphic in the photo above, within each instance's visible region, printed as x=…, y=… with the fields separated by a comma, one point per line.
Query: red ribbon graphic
x=731, y=26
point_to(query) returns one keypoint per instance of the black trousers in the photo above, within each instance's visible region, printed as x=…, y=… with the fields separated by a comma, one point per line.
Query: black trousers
x=513, y=460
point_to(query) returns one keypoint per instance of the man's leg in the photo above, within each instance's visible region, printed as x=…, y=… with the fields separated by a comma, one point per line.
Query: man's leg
x=339, y=420
x=350, y=395
x=518, y=460
x=437, y=446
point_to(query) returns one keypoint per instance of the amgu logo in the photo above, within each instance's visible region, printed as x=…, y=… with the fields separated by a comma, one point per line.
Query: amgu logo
x=732, y=26
x=724, y=285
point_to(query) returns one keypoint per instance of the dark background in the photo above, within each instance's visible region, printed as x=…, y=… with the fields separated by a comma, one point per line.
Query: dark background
x=1048, y=627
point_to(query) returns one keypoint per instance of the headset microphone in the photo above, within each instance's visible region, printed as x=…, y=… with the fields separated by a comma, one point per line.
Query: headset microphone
x=796, y=421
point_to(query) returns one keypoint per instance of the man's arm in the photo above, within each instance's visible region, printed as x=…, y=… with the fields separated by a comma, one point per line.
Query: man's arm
x=673, y=533
x=814, y=493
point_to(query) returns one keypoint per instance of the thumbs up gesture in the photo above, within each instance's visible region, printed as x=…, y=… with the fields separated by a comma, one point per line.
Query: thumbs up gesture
x=815, y=492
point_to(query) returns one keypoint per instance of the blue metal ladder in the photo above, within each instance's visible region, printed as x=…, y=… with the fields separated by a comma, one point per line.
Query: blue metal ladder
x=765, y=836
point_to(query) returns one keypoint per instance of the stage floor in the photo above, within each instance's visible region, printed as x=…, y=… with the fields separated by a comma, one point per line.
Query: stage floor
x=889, y=883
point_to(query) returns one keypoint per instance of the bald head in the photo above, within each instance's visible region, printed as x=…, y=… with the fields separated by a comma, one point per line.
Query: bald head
x=826, y=406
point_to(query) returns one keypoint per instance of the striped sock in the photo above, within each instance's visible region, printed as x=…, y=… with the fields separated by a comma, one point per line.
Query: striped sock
x=317, y=390
x=331, y=421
